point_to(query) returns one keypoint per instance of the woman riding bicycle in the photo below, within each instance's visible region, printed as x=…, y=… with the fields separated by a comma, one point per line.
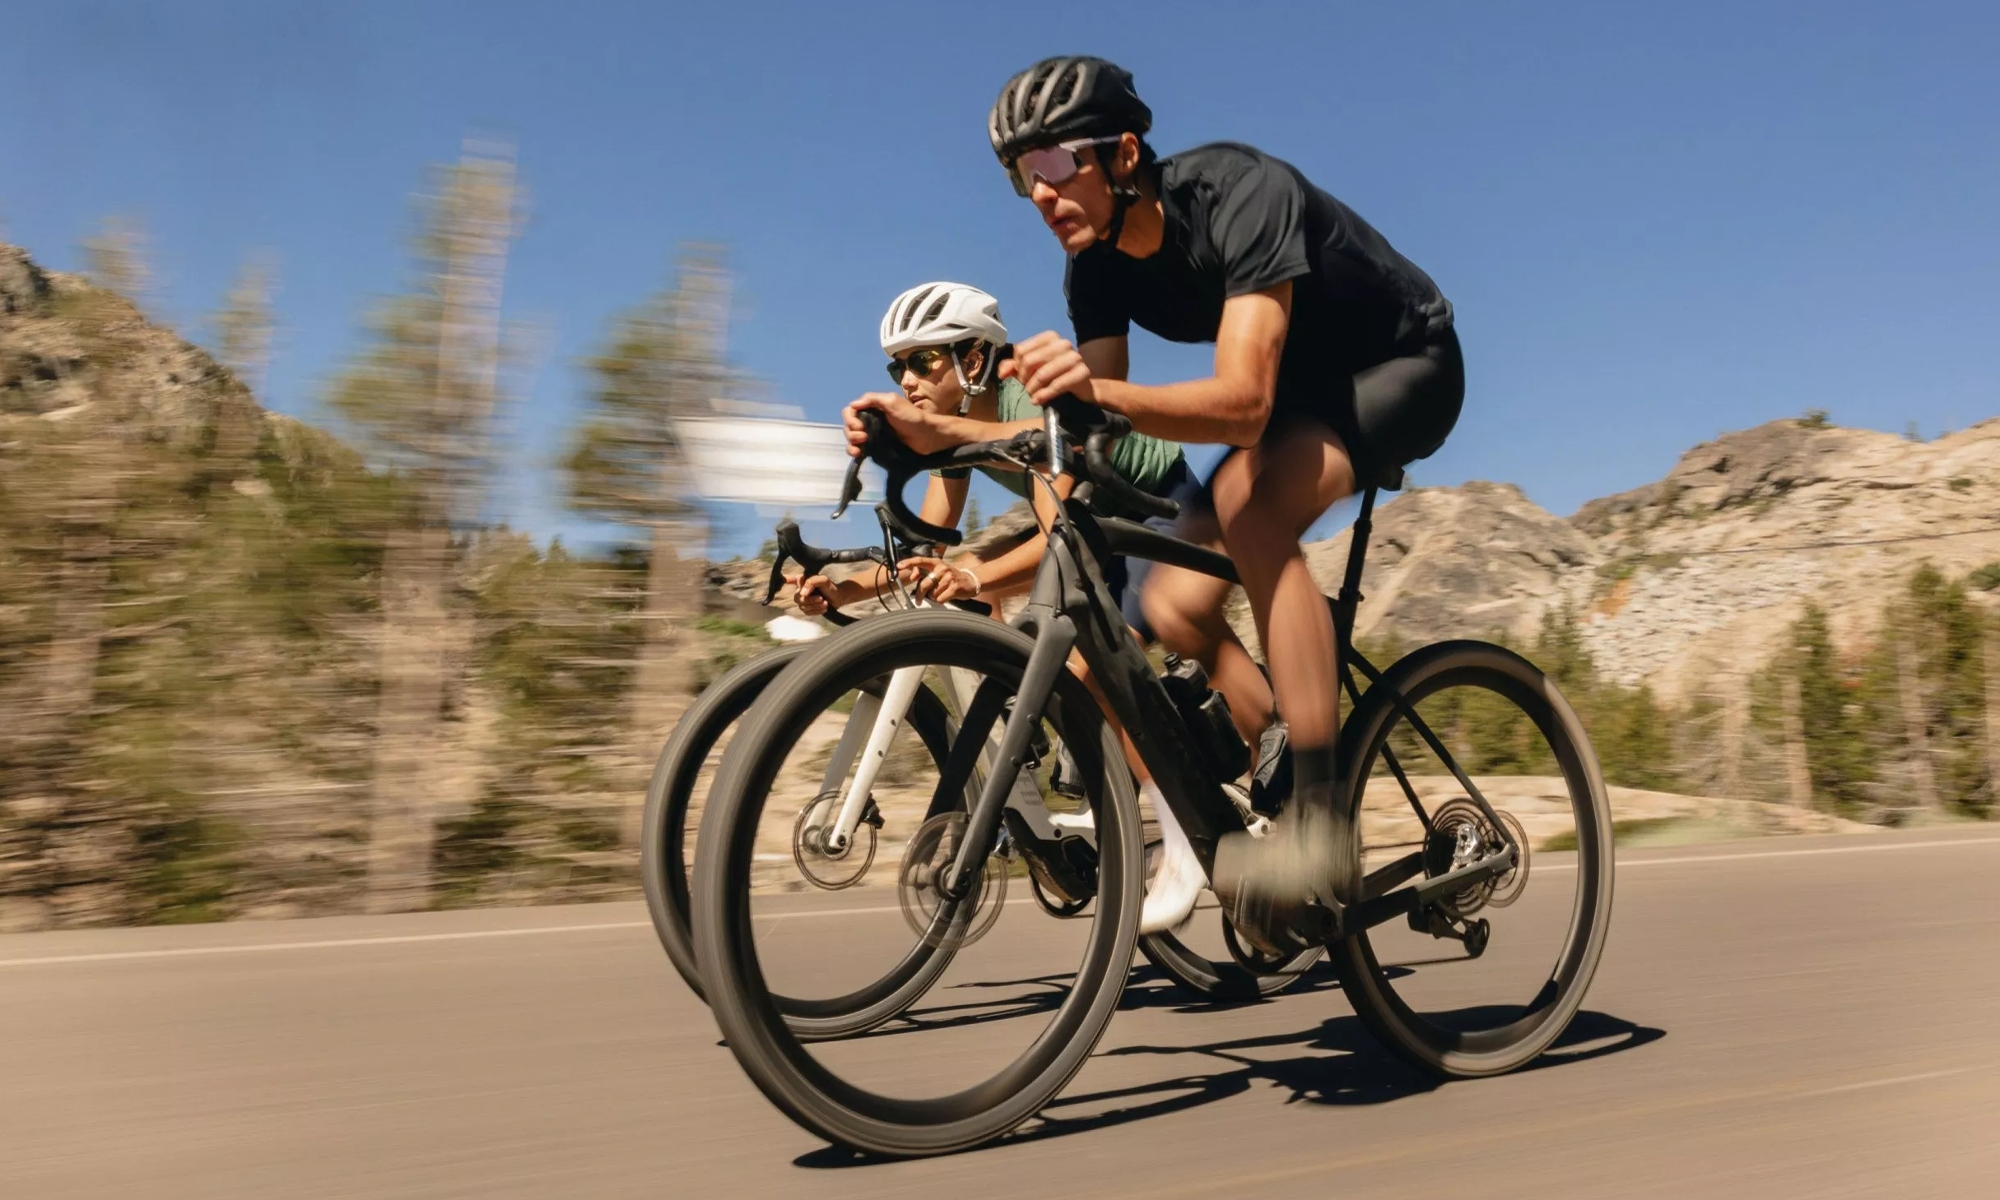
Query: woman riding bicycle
x=946, y=343
x=1336, y=361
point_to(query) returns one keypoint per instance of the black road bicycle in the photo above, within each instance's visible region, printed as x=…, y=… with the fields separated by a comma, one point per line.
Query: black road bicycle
x=1425, y=957
x=831, y=856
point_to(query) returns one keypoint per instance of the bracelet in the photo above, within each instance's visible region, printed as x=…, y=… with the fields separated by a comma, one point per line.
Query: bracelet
x=974, y=577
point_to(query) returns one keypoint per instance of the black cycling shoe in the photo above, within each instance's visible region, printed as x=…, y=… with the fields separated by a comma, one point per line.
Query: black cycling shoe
x=1284, y=891
x=1272, y=781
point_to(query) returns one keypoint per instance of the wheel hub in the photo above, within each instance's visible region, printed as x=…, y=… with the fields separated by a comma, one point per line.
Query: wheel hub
x=934, y=917
x=825, y=868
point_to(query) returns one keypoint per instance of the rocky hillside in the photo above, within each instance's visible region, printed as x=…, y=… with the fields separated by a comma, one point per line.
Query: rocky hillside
x=1696, y=576
x=190, y=622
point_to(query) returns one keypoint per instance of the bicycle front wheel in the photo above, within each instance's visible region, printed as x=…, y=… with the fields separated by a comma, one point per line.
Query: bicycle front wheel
x=674, y=805
x=1487, y=977
x=1023, y=1005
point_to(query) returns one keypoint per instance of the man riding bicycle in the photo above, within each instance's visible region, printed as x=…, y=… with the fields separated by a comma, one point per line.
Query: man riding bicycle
x=1336, y=361
x=946, y=343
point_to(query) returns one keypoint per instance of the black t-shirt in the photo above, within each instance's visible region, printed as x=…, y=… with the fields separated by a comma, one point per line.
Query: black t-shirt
x=1240, y=221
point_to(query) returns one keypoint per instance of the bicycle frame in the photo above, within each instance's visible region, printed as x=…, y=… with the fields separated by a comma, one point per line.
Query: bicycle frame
x=1070, y=608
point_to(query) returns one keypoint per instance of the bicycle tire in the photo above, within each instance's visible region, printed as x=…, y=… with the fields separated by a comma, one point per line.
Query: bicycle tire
x=769, y=1051
x=663, y=844
x=1435, y=1048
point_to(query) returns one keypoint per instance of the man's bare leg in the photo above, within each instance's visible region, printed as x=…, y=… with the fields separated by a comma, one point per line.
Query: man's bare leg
x=1265, y=499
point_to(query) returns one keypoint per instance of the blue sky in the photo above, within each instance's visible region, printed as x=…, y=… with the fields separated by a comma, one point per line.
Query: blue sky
x=1656, y=222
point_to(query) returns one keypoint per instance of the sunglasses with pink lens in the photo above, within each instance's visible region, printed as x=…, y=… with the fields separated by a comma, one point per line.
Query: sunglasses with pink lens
x=1054, y=165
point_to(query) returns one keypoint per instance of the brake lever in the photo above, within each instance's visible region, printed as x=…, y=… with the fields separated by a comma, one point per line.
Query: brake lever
x=811, y=559
x=790, y=546
x=850, y=487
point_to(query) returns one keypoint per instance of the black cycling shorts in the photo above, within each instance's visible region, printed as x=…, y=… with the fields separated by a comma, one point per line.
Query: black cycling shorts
x=1390, y=414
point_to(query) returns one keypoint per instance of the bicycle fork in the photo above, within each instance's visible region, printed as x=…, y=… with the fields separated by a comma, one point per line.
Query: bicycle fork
x=883, y=719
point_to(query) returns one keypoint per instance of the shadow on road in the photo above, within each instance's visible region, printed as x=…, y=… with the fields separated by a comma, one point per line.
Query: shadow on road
x=1336, y=1063
x=1147, y=987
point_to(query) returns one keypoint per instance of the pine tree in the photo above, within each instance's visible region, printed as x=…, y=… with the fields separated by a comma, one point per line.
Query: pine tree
x=663, y=362
x=423, y=397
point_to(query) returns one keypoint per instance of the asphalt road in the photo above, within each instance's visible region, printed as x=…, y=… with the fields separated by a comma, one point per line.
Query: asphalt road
x=1777, y=1018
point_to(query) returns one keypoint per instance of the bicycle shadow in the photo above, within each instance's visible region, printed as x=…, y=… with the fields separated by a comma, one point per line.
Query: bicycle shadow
x=1336, y=1063
x=1146, y=988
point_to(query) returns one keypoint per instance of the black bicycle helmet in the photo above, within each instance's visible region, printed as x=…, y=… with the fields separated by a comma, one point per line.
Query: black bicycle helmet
x=1070, y=96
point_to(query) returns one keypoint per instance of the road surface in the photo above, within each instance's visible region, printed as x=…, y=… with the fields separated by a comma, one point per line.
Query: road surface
x=1776, y=1018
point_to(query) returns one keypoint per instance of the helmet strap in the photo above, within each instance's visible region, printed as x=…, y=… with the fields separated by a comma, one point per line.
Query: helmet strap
x=966, y=388
x=1121, y=200
x=1123, y=197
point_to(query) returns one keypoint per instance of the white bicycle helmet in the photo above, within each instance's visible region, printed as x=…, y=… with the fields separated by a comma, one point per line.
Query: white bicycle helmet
x=946, y=314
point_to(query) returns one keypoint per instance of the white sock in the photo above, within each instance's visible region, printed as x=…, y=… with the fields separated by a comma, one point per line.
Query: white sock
x=1170, y=898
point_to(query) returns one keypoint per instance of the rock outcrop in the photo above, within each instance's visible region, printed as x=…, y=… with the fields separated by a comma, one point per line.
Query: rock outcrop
x=1697, y=575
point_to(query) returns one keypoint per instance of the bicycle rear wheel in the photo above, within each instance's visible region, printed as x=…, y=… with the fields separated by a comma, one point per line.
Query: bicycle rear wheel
x=886, y=1098
x=672, y=807
x=1527, y=942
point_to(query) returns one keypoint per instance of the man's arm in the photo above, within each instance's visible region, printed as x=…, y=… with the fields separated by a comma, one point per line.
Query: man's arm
x=1232, y=406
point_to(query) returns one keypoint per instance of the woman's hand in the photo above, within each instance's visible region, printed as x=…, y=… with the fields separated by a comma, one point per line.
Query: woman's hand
x=915, y=427
x=937, y=580
x=815, y=594
x=1049, y=366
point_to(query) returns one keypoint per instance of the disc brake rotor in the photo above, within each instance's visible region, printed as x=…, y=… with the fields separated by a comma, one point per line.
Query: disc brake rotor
x=824, y=869
x=1508, y=888
x=935, y=919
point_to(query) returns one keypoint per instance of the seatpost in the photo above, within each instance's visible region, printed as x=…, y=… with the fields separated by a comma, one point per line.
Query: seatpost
x=1350, y=583
x=1349, y=598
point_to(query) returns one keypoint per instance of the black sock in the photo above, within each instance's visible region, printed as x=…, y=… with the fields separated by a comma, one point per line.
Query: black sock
x=1312, y=769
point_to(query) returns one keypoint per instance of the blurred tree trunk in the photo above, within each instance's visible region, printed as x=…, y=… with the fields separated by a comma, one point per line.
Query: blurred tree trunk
x=673, y=602
x=1798, y=777
x=402, y=823
x=83, y=570
x=1909, y=690
x=243, y=344
x=1735, y=722
x=1992, y=665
